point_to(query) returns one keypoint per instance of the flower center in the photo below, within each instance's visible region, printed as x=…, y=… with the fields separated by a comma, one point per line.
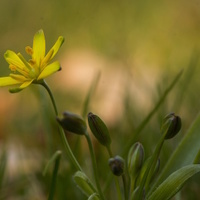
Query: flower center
x=33, y=74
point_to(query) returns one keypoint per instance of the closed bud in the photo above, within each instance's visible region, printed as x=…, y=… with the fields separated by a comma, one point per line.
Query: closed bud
x=99, y=129
x=171, y=125
x=116, y=165
x=72, y=123
x=135, y=158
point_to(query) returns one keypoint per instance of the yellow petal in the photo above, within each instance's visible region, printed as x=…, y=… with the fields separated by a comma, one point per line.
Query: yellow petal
x=49, y=69
x=25, y=84
x=56, y=46
x=5, y=81
x=38, y=47
x=13, y=59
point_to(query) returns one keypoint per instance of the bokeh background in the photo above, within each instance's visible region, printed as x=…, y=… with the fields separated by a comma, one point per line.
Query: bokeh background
x=137, y=46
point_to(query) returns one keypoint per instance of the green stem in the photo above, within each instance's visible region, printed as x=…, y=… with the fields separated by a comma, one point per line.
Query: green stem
x=150, y=167
x=53, y=181
x=125, y=187
x=69, y=151
x=94, y=165
x=62, y=133
x=44, y=84
x=118, y=188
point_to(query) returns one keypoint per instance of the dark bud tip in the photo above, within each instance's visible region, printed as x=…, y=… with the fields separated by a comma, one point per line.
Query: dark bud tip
x=116, y=165
x=171, y=125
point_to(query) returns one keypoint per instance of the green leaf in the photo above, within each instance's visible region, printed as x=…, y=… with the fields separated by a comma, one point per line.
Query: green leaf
x=174, y=182
x=83, y=183
x=185, y=153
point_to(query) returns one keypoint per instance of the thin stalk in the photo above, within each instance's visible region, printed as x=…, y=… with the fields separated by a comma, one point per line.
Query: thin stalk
x=69, y=151
x=125, y=187
x=96, y=177
x=118, y=188
x=44, y=84
x=62, y=133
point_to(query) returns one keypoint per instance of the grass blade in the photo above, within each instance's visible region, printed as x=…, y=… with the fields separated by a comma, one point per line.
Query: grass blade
x=149, y=116
x=89, y=95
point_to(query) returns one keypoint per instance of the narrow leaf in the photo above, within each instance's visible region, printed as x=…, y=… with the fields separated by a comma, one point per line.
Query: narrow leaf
x=89, y=94
x=55, y=156
x=54, y=175
x=174, y=182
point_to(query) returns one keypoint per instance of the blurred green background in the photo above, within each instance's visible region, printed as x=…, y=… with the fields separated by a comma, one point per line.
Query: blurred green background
x=138, y=46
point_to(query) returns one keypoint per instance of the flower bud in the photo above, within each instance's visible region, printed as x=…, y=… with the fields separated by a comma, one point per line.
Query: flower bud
x=171, y=125
x=116, y=165
x=99, y=129
x=72, y=123
x=135, y=158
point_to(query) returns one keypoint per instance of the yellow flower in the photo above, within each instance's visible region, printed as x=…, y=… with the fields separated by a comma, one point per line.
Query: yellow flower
x=24, y=72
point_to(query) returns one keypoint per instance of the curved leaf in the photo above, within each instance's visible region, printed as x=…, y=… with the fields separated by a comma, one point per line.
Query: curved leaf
x=174, y=182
